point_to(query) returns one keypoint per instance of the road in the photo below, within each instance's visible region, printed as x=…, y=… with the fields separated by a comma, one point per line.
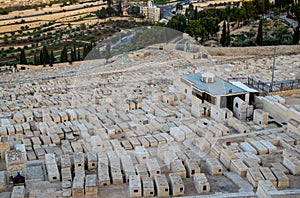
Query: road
x=167, y=10
x=292, y=22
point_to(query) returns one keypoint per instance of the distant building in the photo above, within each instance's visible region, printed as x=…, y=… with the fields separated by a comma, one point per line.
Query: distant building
x=151, y=12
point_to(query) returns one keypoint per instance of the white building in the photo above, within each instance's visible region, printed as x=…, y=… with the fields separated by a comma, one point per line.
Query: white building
x=151, y=12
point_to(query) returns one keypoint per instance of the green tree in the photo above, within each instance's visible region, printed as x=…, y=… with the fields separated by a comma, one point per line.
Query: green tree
x=64, y=55
x=282, y=35
x=35, y=59
x=259, y=38
x=85, y=51
x=78, y=54
x=228, y=38
x=177, y=22
x=195, y=29
x=45, y=58
x=23, y=59
x=295, y=9
x=296, y=36
x=223, y=35
x=75, y=53
x=190, y=12
x=101, y=14
x=120, y=12
x=52, y=58
x=73, y=56
x=110, y=11
x=211, y=26
x=250, y=10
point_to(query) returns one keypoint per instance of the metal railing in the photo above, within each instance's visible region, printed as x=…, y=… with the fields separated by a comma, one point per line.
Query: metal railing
x=267, y=87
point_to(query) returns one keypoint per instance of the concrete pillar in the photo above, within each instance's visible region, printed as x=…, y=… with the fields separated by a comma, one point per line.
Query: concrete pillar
x=247, y=98
x=218, y=101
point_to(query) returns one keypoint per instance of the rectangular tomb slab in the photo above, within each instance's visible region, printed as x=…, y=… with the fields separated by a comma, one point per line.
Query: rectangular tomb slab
x=239, y=167
x=176, y=184
x=214, y=166
x=18, y=192
x=91, y=185
x=135, y=187
x=153, y=167
x=254, y=175
x=268, y=175
x=148, y=187
x=161, y=185
x=281, y=178
x=292, y=163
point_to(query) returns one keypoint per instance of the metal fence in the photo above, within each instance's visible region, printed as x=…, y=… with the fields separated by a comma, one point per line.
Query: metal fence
x=268, y=87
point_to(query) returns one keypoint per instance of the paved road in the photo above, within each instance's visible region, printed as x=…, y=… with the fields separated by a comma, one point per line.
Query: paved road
x=292, y=22
x=167, y=10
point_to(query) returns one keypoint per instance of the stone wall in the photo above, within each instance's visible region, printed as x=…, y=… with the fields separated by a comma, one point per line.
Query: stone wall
x=253, y=51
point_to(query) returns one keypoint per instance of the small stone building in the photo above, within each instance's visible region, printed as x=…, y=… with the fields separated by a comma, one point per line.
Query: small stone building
x=15, y=163
x=161, y=185
x=176, y=184
x=148, y=187
x=201, y=183
x=135, y=186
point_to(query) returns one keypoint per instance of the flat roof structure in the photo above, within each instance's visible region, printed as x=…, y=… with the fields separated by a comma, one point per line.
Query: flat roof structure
x=218, y=87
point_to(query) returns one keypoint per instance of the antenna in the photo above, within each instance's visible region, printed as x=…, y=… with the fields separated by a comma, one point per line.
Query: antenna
x=273, y=68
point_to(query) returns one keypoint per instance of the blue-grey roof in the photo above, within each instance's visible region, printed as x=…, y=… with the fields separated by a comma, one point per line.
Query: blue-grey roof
x=218, y=87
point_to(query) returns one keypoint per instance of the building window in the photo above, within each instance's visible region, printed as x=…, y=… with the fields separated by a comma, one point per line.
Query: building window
x=185, y=90
x=135, y=190
x=204, y=187
x=181, y=189
x=166, y=189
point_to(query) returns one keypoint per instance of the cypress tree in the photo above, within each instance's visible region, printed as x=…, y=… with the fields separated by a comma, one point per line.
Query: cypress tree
x=52, y=58
x=296, y=36
x=91, y=45
x=259, y=38
x=23, y=59
x=46, y=57
x=75, y=53
x=35, y=59
x=227, y=40
x=85, y=51
x=64, y=55
x=78, y=54
x=223, y=36
x=72, y=56
x=120, y=8
x=41, y=57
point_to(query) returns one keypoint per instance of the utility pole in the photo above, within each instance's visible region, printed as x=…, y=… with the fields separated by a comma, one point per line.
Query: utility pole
x=273, y=69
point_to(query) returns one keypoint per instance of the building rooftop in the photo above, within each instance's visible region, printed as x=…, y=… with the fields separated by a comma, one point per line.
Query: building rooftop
x=218, y=87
